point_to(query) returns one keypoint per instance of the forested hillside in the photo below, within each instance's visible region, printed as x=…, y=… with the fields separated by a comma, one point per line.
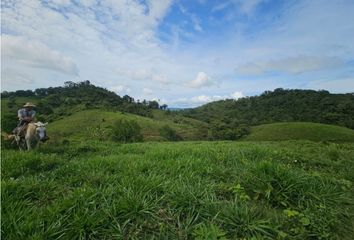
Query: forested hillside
x=82, y=110
x=55, y=103
x=221, y=120
x=280, y=105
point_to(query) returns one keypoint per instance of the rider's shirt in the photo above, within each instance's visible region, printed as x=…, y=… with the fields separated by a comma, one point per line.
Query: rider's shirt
x=23, y=112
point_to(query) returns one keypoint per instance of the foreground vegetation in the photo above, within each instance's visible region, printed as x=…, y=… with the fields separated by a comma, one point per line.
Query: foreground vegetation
x=186, y=190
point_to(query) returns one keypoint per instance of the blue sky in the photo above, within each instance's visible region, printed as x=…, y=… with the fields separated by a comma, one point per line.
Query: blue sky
x=184, y=53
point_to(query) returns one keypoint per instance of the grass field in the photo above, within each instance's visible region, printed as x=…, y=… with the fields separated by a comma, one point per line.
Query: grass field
x=300, y=131
x=186, y=190
x=83, y=124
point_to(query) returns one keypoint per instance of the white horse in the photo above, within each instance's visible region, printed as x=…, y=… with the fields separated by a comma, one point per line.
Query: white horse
x=35, y=133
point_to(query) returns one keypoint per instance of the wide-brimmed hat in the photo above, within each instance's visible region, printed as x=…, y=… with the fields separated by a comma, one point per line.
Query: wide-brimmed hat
x=29, y=104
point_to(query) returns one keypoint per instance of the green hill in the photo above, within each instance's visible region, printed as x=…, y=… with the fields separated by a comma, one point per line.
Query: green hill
x=300, y=130
x=90, y=124
x=82, y=110
x=280, y=105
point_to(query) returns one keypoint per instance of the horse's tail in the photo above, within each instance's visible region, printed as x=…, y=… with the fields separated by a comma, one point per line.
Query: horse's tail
x=8, y=137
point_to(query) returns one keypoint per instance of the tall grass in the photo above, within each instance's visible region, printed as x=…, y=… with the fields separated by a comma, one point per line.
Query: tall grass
x=187, y=190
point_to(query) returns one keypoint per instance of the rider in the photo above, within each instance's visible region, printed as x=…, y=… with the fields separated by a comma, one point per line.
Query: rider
x=25, y=116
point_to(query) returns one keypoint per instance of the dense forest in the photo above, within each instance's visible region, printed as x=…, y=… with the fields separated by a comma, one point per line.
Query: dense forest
x=280, y=105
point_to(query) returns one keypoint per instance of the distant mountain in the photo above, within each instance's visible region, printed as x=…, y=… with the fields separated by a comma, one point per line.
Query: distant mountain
x=176, y=109
x=280, y=105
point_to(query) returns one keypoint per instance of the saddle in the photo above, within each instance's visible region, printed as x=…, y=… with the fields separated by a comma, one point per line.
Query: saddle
x=20, y=131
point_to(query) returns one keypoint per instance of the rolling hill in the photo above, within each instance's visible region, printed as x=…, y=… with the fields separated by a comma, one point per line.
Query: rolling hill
x=280, y=105
x=300, y=131
x=91, y=123
x=82, y=110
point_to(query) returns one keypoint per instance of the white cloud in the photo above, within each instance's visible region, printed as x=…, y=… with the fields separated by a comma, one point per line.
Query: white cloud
x=9, y=75
x=122, y=43
x=236, y=95
x=292, y=65
x=143, y=74
x=203, y=99
x=249, y=5
x=96, y=38
x=148, y=91
x=245, y=6
x=342, y=85
x=35, y=54
x=120, y=89
x=196, y=23
x=60, y=2
x=220, y=6
x=202, y=80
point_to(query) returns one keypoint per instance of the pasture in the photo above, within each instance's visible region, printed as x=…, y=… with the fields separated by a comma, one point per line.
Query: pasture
x=300, y=131
x=185, y=190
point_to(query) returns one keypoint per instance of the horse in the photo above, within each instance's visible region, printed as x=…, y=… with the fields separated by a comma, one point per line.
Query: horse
x=35, y=133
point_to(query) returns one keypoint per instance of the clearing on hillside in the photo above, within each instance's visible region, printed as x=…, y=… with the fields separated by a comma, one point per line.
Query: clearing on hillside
x=85, y=124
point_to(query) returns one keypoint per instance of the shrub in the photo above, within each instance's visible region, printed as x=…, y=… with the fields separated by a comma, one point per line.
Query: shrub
x=228, y=131
x=99, y=132
x=208, y=231
x=169, y=134
x=126, y=131
x=8, y=122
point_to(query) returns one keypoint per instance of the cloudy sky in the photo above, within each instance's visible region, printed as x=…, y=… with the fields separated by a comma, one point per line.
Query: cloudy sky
x=183, y=52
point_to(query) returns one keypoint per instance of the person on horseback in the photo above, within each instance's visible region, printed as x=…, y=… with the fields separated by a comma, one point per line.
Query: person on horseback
x=25, y=116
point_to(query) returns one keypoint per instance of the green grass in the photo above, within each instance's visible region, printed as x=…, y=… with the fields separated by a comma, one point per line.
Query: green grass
x=186, y=190
x=300, y=131
x=84, y=125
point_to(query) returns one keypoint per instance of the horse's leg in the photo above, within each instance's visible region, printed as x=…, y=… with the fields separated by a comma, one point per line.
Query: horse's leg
x=19, y=144
x=28, y=143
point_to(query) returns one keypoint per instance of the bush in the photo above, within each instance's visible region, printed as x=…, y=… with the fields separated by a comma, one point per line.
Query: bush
x=228, y=131
x=126, y=131
x=169, y=134
x=8, y=121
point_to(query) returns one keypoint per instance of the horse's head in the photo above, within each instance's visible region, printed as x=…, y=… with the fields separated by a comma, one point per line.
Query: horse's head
x=40, y=130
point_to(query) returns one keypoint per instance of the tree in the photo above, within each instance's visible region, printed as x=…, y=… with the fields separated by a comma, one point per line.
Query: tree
x=11, y=103
x=169, y=134
x=8, y=122
x=126, y=131
x=163, y=107
x=153, y=105
x=127, y=98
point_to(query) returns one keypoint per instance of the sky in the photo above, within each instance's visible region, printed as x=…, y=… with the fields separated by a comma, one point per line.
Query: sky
x=184, y=53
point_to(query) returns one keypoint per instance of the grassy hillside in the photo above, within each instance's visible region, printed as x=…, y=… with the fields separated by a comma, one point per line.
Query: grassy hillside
x=90, y=123
x=187, y=190
x=300, y=130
